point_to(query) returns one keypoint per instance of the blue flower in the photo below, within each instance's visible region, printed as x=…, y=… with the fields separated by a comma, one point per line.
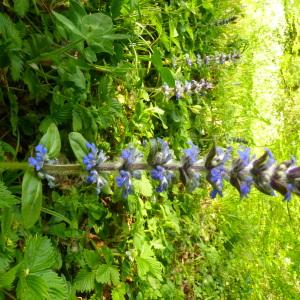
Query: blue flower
x=285, y=179
x=165, y=178
x=216, y=171
x=40, y=157
x=166, y=89
x=188, y=60
x=240, y=175
x=189, y=176
x=130, y=156
x=94, y=158
x=191, y=153
x=187, y=87
x=165, y=151
x=124, y=181
x=262, y=172
x=215, y=178
x=94, y=177
x=179, y=89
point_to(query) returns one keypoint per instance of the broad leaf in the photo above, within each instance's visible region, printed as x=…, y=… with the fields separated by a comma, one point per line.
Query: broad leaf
x=85, y=281
x=21, y=7
x=107, y=274
x=31, y=199
x=78, y=145
x=119, y=292
x=51, y=140
x=39, y=254
x=68, y=24
x=57, y=286
x=32, y=287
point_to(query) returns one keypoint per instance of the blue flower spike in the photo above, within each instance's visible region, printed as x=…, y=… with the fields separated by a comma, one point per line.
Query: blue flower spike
x=189, y=176
x=40, y=157
x=262, y=172
x=216, y=170
x=163, y=176
x=130, y=156
x=240, y=175
x=92, y=160
x=285, y=179
x=125, y=183
x=38, y=162
x=159, y=156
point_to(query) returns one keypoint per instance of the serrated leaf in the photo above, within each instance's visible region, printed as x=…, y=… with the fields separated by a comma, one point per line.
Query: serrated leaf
x=57, y=286
x=78, y=145
x=147, y=264
x=21, y=7
x=16, y=63
x=85, y=281
x=91, y=257
x=51, y=140
x=7, y=278
x=107, y=274
x=143, y=186
x=31, y=199
x=32, y=287
x=118, y=293
x=68, y=24
x=6, y=197
x=5, y=260
x=14, y=109
x=39, y=254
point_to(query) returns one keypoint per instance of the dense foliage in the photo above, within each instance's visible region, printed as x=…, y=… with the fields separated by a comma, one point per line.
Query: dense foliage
x=119, y=73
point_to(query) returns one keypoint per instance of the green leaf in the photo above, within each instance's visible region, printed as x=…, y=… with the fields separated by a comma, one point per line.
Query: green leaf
x=143, y=186
x=57, y=286
x=166, y=76
x=21, y=7
x=39, y=254
x=156, y=59
x=107, y=274
x=115, y=7
x=68, y=24
x=76, y=120
x=14, y=109
x=96, y=25
x=78, y=145
x=32, y=287
x=51, y=140
x=148, y=264
x=6, y=197
x=16, y=63
x=31, y=199
x=118, y=293
x=85, y=281
x=7, y=278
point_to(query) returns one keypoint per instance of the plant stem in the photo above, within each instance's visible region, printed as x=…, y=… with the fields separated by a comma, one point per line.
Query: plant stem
x=73, y=169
